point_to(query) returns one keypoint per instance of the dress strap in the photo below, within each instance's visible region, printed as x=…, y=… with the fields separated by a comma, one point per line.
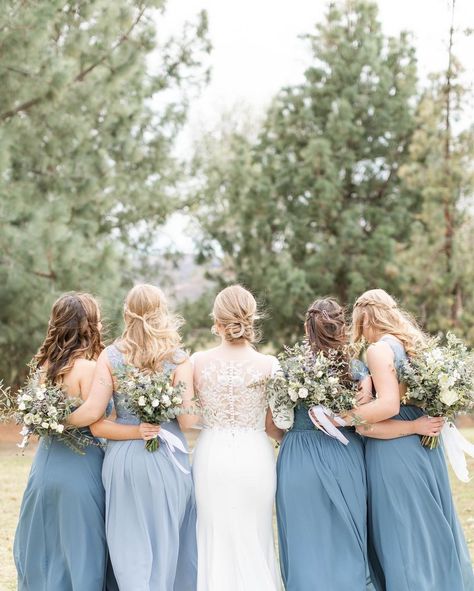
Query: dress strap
x=115, y=356
x=398, y=349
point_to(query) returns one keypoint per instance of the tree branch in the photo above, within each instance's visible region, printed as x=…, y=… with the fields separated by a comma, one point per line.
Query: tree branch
x=27, y=105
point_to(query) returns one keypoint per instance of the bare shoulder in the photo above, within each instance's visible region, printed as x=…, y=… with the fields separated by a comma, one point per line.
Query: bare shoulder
x=379, y=353
x=83, y=365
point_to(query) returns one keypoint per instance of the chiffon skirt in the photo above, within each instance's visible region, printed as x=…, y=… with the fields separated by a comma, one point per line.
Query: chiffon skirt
x=150, y=517
x=60, y=542
x=413, y=527
x=322, y=512
x=234, y=475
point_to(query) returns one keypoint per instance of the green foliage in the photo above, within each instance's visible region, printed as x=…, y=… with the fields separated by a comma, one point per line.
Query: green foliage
x=314, y=206
x=86, y=133
x=439, y=268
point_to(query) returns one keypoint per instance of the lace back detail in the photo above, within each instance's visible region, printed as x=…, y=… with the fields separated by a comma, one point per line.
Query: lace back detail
x=228, y=394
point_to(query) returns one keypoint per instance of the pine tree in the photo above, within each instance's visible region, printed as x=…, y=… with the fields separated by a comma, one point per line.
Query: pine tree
x=313, y=207
x=439, y=273
x=86, y=134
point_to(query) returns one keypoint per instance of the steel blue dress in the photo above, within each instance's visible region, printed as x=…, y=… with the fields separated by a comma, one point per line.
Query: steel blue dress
x=413, y=527
x=322, y=509
x=60, y=542
x=150, y=508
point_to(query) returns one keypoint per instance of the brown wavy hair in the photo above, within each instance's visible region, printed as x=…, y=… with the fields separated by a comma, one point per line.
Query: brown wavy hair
x=73, y=333
x=151, y=331
x=326, y=330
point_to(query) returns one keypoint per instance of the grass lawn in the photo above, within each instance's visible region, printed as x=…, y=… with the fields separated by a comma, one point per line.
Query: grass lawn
x=14, y=470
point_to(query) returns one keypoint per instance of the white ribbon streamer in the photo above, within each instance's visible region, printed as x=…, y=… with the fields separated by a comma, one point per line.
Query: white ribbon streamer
x=319, y=416
x=171, y=443
x=456, y=445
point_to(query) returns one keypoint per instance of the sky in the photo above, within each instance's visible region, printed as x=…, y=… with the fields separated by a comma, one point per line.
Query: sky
x=257, y=49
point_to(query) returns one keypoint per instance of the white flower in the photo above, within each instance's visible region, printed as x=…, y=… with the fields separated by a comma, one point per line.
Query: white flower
x=333, y=380
x=40, y=394
x=22, y=406
x=28, y=419
x=26, y=398
x=293, y=394
x=177, y=400
x=448, y=397
x=45, y=424
x=36, y=419
x=25, y=431
x=155, y=402
x=142, y=401
x=319, y=374
x=52, y=411
x=166, y=400
x=303, y=392
x=60, y=428
x=53, y=425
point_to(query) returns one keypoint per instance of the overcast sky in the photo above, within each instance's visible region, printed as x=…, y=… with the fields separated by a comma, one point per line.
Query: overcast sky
x=257, y=49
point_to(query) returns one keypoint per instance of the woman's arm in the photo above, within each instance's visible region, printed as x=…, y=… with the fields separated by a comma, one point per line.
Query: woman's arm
x=387, y=404
x=184, y=374
x=111, y=430
x=98, y=396
x=271, y=429
x=391, y=428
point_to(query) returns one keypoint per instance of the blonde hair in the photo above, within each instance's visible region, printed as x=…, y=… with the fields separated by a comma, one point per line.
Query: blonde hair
x=151, y=330
x=235, y=309
x=381, y=312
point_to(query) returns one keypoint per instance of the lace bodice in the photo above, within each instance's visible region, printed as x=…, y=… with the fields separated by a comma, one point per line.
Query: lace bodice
x=227, y=391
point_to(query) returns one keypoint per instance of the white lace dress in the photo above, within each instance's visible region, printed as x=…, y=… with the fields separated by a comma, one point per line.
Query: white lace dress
x=235, y=478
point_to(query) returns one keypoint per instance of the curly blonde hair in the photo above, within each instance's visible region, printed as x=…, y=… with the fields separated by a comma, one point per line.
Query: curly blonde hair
x=151, y=331
x=378, y=310
x=235, y=310
x=73, y=333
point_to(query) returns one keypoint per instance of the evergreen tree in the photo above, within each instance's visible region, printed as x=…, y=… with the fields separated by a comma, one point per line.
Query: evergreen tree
x=86, y=133
x=314, y=205
x=439, y=271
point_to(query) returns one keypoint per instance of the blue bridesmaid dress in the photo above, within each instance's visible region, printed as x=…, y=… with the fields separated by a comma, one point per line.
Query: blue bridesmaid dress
x=322, y=510
x=60, y=542
x=413, y=527
x=150, y=509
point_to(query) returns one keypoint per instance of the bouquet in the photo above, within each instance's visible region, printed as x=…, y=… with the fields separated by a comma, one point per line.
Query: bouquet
x=316, y=380
x=441, y=380
x=42, y=409
x=151, y=397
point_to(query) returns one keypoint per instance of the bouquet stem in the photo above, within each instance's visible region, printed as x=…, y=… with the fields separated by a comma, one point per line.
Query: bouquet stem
x=431, y=442
x=152, y=444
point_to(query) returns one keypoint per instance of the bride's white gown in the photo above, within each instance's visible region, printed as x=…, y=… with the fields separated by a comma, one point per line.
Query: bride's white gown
x=234, y=475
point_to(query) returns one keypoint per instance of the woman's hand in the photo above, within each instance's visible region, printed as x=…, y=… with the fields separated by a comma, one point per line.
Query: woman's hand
x=148, y=431
x=428, y=426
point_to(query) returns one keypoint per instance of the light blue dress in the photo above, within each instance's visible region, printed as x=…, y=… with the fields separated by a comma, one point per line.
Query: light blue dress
x=413, y=527
x=60, y=542
x=150, y=509
x=322, y=510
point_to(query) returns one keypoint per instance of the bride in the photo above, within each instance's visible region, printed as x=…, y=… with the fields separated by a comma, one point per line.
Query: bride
x=234, y=467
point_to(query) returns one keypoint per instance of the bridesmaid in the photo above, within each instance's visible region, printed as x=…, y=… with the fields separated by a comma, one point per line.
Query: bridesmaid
x=413, y=526
x=150, y=513
x=321, y=493
x=60, y=539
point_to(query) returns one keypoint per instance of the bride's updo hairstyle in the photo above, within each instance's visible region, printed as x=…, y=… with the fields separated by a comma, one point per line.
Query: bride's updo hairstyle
x=235, y=311
x=376, y=311
x=151, y=330
x=73, y=333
